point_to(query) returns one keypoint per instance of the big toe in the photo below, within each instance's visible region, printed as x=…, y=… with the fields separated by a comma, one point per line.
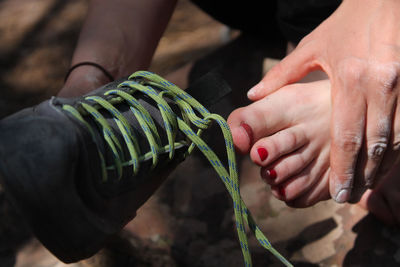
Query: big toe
x=257, y=120
x=242, y=132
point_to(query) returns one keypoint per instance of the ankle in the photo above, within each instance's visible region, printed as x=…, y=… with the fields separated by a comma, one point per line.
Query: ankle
x=82, y=80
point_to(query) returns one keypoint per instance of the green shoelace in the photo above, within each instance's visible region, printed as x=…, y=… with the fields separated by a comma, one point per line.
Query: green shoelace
x=146, y=83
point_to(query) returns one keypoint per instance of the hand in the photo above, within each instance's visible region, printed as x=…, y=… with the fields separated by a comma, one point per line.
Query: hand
x=358, y=47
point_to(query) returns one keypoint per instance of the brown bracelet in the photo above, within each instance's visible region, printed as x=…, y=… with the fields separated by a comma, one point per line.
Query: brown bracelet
x=109, y=76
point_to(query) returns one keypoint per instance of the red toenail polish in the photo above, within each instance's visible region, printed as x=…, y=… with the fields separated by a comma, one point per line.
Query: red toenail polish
x=282, y=191
x=271, y=173
x=263, y=153
x=248, y=130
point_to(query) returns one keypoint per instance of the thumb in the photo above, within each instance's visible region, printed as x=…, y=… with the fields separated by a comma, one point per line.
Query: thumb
x=291, y=69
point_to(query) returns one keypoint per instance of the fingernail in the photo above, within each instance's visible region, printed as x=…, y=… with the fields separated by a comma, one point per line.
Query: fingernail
x=263, y=153
x=271, y=174
x=343, y=196
x=248, y=130
x=253, y=91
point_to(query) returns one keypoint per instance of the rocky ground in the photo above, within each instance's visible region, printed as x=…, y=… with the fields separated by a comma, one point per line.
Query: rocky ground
x=189, y=221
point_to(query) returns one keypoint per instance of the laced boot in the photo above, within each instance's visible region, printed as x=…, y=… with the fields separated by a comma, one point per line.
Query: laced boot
x=78, y=169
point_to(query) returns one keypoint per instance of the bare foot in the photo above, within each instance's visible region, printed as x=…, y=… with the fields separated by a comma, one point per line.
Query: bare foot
x=287, y=134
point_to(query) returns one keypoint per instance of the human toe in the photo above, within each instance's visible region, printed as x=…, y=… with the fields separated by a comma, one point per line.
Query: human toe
x=262, y=118
x=311, y=178
x=286, y=167
x=309, y=196
x=268, y=149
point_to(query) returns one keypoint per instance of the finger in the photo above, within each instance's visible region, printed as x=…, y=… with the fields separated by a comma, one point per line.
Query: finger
x=389, y=189
x=378, y=129
x=291, y=69
x=382, y=103
x=376, y=204
x=347, y=130
x=392, y=154
x=358, y=189
x=393, y=199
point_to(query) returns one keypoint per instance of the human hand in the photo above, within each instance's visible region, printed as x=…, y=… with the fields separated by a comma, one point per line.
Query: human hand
x=384, y=200
x=359, y=49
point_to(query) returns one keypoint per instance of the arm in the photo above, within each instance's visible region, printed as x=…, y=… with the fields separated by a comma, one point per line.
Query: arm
x=121, y=36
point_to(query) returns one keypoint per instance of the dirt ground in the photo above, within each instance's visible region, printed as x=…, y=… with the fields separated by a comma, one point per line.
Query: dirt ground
x=189, y=221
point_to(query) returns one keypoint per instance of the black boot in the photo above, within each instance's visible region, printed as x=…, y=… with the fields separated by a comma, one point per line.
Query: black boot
x=59, y=169
x=78, y=169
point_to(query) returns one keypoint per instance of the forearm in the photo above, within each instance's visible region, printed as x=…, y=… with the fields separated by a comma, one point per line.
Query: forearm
x=121, y=35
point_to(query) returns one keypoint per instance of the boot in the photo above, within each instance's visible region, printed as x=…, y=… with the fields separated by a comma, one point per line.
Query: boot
x=78, y=169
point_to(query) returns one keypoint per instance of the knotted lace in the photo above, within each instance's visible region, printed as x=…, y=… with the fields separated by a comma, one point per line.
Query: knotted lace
x=145, y=82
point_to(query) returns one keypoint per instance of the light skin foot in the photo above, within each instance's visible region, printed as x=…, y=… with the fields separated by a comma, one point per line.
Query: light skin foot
x=287, y=135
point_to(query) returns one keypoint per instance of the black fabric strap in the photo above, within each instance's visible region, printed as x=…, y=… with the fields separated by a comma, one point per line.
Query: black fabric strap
x=209, y=89
x=88, y=63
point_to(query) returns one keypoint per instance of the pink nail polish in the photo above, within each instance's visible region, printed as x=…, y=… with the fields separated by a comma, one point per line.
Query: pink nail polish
x=248, y=130
x=263, y=153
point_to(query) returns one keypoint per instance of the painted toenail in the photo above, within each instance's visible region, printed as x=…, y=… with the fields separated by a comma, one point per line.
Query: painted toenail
x=271, y=174
x=282, y=191
x=263, y=153
x=248, y=130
